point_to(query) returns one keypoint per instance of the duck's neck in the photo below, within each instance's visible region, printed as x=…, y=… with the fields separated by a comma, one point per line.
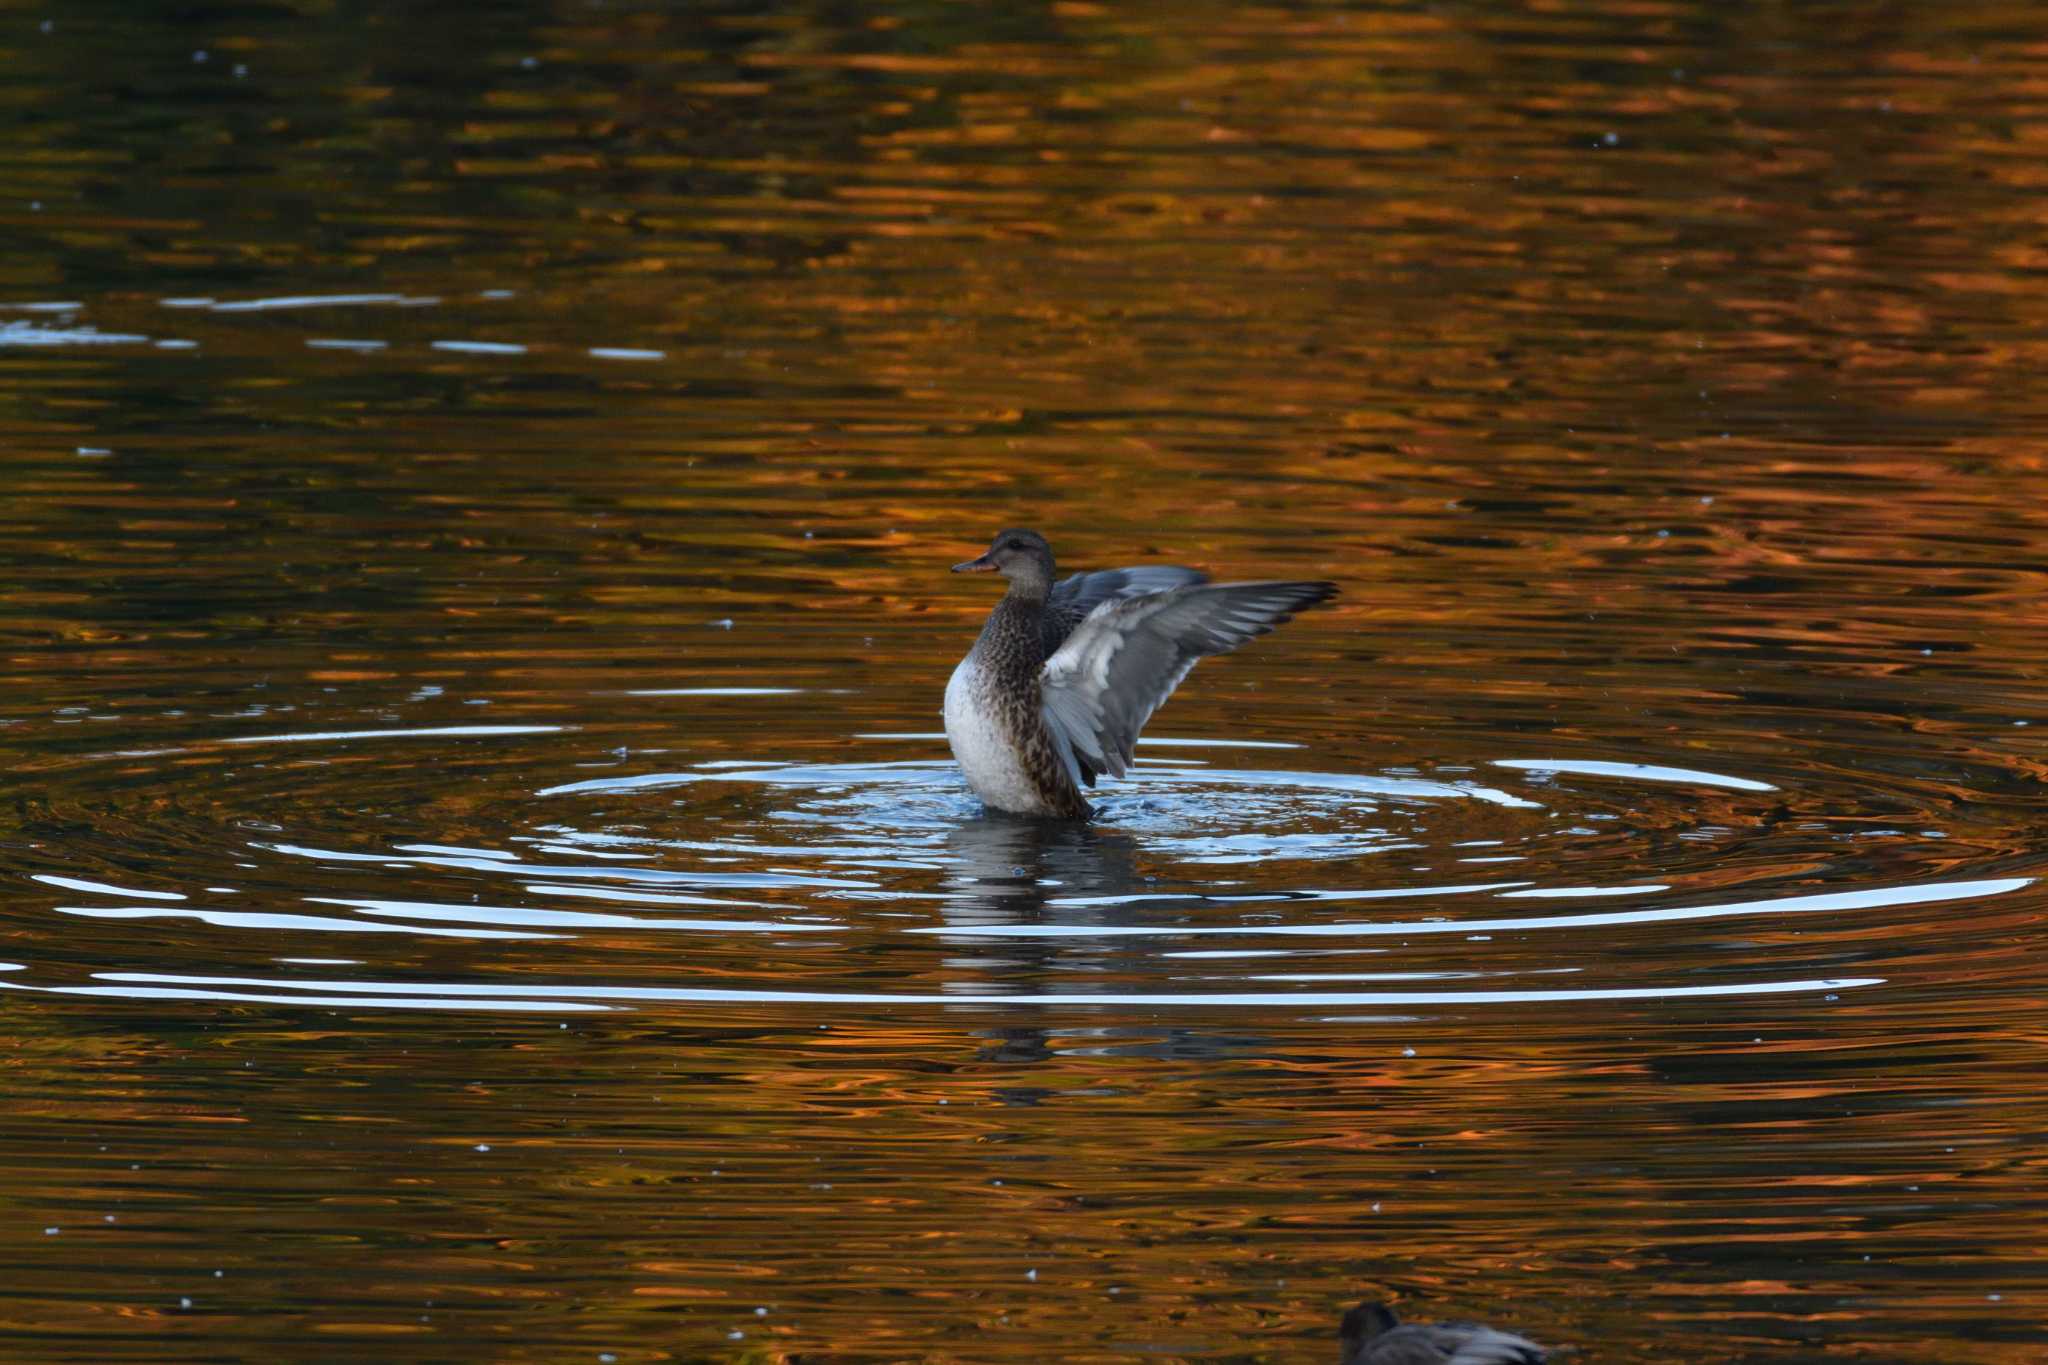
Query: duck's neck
x=1012, y=644
x=1027, y=593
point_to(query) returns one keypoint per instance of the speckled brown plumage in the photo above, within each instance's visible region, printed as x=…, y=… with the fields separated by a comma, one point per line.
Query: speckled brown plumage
x=1063, y=677
x=1011, y=651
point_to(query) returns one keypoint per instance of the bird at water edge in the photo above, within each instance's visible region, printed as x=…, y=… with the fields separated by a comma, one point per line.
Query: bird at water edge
x=1064, y=675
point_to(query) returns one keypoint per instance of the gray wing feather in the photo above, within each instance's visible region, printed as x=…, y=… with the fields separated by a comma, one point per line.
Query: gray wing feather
x=1073, y=598
x=1395, y=1349
x=1126, y=658
x=1449, y=1343
x=1489, y=1346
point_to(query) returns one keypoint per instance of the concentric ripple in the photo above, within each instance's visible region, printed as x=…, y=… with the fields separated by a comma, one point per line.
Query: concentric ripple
x=1205, y=881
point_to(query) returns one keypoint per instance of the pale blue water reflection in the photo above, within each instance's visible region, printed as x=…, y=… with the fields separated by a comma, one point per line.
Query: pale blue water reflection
x=877, y=851
x=417, y=995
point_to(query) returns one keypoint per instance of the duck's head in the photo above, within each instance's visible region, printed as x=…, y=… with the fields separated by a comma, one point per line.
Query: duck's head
x=1362, y=1325
x=1023, y=557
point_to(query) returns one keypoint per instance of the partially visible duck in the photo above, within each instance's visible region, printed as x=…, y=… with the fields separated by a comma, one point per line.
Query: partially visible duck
x=1065, y=675
x=1373, y=1335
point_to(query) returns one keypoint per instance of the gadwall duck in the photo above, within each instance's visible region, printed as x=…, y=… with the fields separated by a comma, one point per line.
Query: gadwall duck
x=1066, y=674
x=1372, y=1335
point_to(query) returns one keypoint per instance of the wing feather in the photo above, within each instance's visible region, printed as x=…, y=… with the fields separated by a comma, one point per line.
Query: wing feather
x=1490, y=1346
x=1129, y=654
x=1074, y=597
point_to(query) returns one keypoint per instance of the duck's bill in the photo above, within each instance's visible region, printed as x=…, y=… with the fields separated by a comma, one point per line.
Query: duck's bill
x=982, y=565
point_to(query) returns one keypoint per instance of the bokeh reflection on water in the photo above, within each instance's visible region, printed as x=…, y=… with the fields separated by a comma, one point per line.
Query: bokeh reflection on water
x=481, y=880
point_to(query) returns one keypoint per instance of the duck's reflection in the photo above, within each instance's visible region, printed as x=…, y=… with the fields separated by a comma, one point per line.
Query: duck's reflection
x=1004, y=870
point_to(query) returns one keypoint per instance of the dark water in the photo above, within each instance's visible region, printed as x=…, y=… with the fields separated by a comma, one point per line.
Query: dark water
x=483, y=881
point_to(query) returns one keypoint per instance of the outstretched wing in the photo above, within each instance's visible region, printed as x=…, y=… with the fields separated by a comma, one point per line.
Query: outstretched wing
x=1126, y=658
x=1074, y=597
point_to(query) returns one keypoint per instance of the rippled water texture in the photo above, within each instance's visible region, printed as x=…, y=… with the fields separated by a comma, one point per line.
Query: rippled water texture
x=483, y=879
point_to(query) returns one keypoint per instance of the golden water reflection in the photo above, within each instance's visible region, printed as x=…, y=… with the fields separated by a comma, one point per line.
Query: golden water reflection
x=479, y=489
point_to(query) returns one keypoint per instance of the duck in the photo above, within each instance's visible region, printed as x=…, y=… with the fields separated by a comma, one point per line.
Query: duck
x=1065, y=674
x=1373, y=1335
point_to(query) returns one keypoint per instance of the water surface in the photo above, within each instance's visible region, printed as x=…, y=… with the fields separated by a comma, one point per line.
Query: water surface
x=483, y=877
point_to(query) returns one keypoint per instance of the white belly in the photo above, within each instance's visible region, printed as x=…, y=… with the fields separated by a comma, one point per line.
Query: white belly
x=985, y=754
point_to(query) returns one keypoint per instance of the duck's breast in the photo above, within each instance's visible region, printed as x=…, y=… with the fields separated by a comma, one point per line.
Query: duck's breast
x=986, y=732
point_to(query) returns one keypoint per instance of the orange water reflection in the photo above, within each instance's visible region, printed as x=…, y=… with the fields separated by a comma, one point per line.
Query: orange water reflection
x=479, y=493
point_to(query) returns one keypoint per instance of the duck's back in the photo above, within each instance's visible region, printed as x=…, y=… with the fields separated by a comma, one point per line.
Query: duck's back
x=1448, y=1343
